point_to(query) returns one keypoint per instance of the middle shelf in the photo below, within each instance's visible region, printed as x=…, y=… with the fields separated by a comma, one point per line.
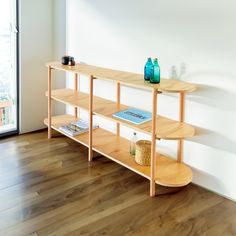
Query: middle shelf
x=166, y=128
x=169, y=173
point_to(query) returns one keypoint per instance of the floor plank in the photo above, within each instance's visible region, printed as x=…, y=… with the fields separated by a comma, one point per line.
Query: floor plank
x=47, y=187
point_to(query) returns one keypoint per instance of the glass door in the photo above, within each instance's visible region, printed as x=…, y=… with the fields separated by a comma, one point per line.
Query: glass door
x=9, y=67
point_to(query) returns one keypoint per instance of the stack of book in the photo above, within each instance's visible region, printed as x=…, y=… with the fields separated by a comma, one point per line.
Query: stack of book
x=76, y=127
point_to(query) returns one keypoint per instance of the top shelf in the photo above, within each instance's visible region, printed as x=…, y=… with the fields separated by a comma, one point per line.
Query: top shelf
x=126, y=78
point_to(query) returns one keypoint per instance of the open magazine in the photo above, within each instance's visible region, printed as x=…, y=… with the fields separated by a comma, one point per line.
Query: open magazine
x=76, y=127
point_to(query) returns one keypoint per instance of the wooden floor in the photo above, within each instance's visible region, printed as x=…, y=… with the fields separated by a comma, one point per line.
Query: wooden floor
x=47, y=187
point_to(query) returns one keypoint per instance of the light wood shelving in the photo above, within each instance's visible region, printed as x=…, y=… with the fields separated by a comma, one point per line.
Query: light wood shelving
x=164, y=170
x=169, y=172
x=166, y=128
x=126, y=78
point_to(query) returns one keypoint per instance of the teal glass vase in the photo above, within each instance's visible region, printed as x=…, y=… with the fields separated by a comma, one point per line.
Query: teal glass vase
x=155, y=75
x=148, y=69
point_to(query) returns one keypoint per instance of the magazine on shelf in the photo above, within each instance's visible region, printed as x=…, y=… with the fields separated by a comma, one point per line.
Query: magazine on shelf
x=134, y=116
x=76, y=127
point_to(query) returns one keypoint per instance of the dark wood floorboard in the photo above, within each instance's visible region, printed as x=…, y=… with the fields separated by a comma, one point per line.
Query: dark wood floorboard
x=47, y=187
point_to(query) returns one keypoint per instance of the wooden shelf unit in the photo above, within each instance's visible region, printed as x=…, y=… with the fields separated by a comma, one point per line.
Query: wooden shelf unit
x=163, y=170
x=169, y=172
x=167, y=128
x=126, y=78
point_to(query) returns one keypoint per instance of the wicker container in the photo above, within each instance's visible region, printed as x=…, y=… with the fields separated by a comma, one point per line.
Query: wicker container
x=143, y=152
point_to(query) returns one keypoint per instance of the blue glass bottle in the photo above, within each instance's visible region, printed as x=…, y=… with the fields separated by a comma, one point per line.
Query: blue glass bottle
x=155, y=77
x=148, y=69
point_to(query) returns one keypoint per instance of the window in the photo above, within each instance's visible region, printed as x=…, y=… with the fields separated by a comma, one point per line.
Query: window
x=9, y=118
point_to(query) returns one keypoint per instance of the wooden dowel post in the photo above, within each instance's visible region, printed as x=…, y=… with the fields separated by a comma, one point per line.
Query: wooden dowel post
x=91, y=118
x=76, y=90
x=153, y=147
x=49, y=102
x=181, y=119
x=118, y=106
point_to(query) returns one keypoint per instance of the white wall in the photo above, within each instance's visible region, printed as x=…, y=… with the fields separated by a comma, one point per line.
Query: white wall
x=41, y=24
x=198, y=39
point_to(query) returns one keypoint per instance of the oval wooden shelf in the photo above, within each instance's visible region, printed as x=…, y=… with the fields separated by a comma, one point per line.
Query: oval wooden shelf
x=166, y=128
x=169, y=173
x=126, y=78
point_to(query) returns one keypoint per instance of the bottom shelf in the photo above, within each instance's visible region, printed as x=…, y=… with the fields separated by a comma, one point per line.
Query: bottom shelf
x=169, y=173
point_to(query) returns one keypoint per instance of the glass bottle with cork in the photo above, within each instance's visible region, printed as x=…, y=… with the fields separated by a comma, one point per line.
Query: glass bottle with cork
x=133, y=141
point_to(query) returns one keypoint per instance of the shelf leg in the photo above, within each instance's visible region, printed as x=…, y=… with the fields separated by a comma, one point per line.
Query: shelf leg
x=49, y=102
x=91, y=119
x=153, y=147
x=118, y=106
x=181, y=119
x=76, y=90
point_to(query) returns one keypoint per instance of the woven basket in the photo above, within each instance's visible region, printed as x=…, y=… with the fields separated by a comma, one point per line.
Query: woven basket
x=143, y=152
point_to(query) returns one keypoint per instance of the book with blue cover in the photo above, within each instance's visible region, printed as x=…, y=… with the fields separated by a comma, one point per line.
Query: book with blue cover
x=134, y=116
